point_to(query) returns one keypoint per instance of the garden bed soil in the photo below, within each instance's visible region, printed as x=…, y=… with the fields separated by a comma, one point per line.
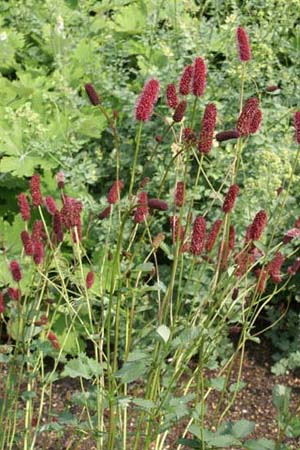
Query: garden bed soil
x=253, y=402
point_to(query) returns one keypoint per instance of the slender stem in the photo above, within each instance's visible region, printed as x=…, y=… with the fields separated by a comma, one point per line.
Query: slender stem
x=136, y=153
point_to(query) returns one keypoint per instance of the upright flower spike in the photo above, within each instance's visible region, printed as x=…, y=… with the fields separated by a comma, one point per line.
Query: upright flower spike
x=179, y=193
x=186, y=80
x=180, y=111
x=142, y=209
x=24, y=207
x=14, y=293
x=15, y=271
x=199, y=77
x=212, y=236
x=90, y=278
x=146, y=101
x=208, y=128
x=189, y=136
x=27, y=243
x=262, y=281
x=35, y=189
x=178, y=231
x=57, y=227
x=2, y=304
x=92, y=94
x=38, y=231
x=297, y=126
x=198, y=236
x=243, y=44
x=256, y=228
x=70, y=212
x=114, y=194
x=172, y=99
x=38, y=252
x=230, y=198
x=227, y=248
x=247, y=116
x=255, y=122
x=274, y=267
x=50, y=205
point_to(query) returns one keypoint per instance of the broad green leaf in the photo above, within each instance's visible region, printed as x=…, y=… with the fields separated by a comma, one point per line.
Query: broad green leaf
x=76, y=368
x=22, y=166
x=137, y=355
x=164, y=332
x=143, y=403
x=236, y=387
x=190, y=443
x=91, y=126
x=82, y=366
x=131, y=371
x=242, y=428
x=146, y=267
x=218, y=383
x=222, y=441
x=186, y=336
x=130, y=19
x=260, y=444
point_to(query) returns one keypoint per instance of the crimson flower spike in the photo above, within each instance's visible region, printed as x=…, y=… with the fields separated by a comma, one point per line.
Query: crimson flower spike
x=245, y=120
x=146, y=101
x=179, y=111
x=114, y=193
x=24, y=207
x=186, y=80
x=243, y=44
x=35, y=190
x=172, y=99
x=92, y=94
x=179, y=193
x=199, y=77
x=297, y=126
x=198, y=236
x=142, y=209
x=208, y=128
x=230, y=198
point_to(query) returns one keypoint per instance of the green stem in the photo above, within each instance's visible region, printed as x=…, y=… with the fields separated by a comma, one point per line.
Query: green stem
x=136, y=153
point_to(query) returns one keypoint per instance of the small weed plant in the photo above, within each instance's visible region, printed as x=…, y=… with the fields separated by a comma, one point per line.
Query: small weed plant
x=140, y=318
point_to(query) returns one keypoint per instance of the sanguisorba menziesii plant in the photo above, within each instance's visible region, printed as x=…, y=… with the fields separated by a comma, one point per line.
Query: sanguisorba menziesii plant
x=153, y=323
